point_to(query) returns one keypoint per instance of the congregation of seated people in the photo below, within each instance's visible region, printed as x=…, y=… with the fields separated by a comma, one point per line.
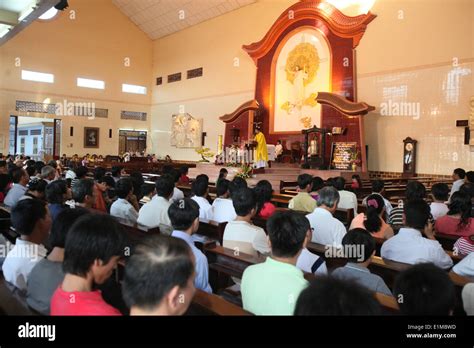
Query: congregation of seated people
x=71, y=223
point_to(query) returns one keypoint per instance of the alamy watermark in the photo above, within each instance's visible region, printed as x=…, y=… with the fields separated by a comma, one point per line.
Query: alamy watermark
x=353, y=252
x=67, y=108
x=407, y=109
x=30, y=251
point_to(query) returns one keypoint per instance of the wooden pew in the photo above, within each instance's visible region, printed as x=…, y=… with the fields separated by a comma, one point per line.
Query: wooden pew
x=211, y=304
x=287, y=184
x=213, y=230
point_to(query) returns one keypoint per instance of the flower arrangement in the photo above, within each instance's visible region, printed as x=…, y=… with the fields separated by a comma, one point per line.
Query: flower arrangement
x=245, y=172
x=355, y=159
x=205, y=153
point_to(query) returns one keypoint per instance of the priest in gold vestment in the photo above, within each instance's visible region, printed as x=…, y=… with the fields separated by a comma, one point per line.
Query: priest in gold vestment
x=261, y=152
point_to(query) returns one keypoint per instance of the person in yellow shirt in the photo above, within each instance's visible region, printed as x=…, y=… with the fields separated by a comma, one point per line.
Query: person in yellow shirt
x=261, y=153
x=303, y=200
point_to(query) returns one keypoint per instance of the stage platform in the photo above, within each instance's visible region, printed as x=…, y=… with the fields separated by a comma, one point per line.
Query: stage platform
x=278, y=171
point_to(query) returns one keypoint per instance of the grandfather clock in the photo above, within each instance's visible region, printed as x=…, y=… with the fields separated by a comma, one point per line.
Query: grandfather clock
x=409, y=157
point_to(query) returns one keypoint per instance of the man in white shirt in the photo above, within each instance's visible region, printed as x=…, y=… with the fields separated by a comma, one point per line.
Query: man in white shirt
x=20, y=179
x=200, y=190
x=174, y=174
x=465, y=267
x=327, y=229
x=409, y=246
x=440, y=195
x=378, y=188
x=458, y=176
x=347, y=199
x=278, y=150
x=155, y=212
x=240, y=234
x=122, y=208
x=30, y=218
x=222, y=207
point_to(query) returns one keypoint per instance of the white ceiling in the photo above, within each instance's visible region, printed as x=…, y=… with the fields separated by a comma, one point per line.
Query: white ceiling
x=159, y=18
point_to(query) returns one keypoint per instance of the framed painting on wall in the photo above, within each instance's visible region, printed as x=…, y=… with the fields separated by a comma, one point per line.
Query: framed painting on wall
x=91, y=137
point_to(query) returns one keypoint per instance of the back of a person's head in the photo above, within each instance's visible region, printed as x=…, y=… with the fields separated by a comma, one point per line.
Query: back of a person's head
x=236, y=184
x=339, y=183
x=244, y=201
x=460, y=203
x=83, y=188
x=461, y=173
x=116, y=170
x=81, y=172
x=26, y=214
x=470, y=176
x=378, y=186
x=287, y=231
x=336, y=297
x=223, y=172
x=37, y=185
x=222, y=187
x=61, y=226
x=467, y=188
x=31, y=170
x=200, y=185
x=16, y=174
x=123, y=187
x=184, y=170
x=304, y=180
x=92, y=237
x=164, y=186
x=264, y=190
x=166, y=169
x=328, y=196
x=5, y=180
x=417, y=213
x=415, y=190
x=440, y=191
x=108, y=180
x=318, y=183
x=53, y=164
x=47, y=171
x=157, y=265
x=99, y=173
x=147, y=189
x=375, y=204
x=183, y=213
x=358, y=245
x=424, y=289
x=39, y=166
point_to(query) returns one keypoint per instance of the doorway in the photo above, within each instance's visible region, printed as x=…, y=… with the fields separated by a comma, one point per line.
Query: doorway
x=132, y=141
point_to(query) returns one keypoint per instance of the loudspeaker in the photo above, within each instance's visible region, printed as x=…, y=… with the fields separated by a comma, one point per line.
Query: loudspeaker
x=62, y=5
x=71, y=131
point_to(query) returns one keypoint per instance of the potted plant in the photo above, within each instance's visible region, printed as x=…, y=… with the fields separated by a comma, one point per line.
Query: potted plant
x=355, y=160
x=205, y=153
x=245, y=172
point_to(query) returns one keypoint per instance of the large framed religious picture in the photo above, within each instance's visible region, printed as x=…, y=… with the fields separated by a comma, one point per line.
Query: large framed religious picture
x=91, y=137
x=301, y=68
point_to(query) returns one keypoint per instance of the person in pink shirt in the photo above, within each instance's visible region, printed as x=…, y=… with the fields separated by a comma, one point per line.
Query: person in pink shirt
x=94, y=245
x=458, y=220
x=263, y=192
x=373, y=221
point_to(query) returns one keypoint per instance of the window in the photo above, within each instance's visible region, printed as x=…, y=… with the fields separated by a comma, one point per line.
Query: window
x=35, y=145
x=22, y=145
x=88, y=83
x=37, y=76
x=133, y=89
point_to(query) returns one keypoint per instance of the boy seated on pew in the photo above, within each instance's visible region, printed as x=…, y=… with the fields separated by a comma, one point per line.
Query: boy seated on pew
x=409, y=245
x=125, y=207
x=240, y=234
x=222, y=207
x=31, y=219
x=303, y=200
x=94, y=245
x=200, y=190
x=48, y=273
x=159, y=277
x=359, y=249
x=347, y=199
x=425, y=290
x=272, y=287
x=331, y=296
x=174, y=175
x=440, y=195
x=148, y=191
x=184, y=216
x=155, y=212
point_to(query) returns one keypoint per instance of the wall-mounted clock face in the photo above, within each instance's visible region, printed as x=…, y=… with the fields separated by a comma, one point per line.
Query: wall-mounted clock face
x=409, y=147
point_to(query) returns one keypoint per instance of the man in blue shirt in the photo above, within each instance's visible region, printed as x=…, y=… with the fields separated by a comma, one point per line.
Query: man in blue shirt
x=20, y=180
x=184, y=217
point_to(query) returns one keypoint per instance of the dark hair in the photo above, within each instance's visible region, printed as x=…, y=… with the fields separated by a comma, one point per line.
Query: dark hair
x=200, y=185
x=470, y=176
x=31, y=170
x=222, y=172
x=137, y=181
x=356, y=237
x=244, y=201
x=55, y=192
x=5, y=179
x=373, y=222
x=164, y=186
x=3, y=163
x=424, y=289
x=339, y=183
x=166, y=169
x=83, y=188
x=123, y=187
x=146, y=189
x=287, y=231
x=16, y=174
x=304, y=180
x=158, y=264
x=263, y=193
x=182, y=213
x=92, y=237
x=62, y=224
x=26, y=214
x=30, y=163
x=417, y=213
x=99, y=173
x=116, y=170
x=37, y=185
x=378, y=185
x=357, y=177
x=222, y=187
x=318, y=183
x=415, y=191
x=38, y=166
x=460, y=203
x=331, y=296
x=440, y=191
x=460, y=172
x=468, y=188
x=81, y=172
x=52, y=163
x=236, y=184
x=108, y=180
x=184, y=170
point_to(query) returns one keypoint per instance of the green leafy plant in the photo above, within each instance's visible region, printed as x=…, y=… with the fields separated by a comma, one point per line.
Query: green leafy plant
x=205, y=153
x=245, y=172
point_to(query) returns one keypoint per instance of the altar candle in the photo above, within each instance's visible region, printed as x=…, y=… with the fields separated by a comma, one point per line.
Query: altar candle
x=219, y=145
